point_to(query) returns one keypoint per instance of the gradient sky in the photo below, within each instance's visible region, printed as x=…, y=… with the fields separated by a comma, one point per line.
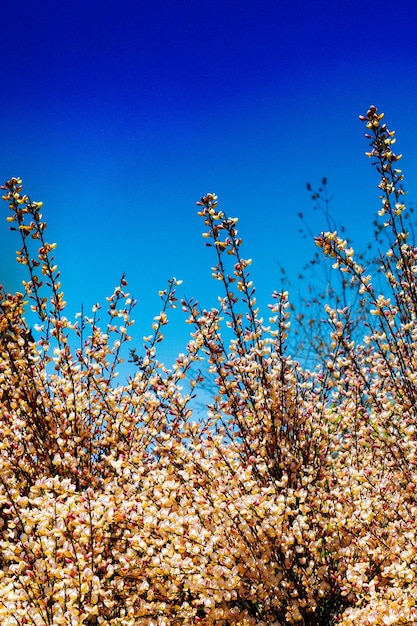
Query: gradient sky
x=120, y=115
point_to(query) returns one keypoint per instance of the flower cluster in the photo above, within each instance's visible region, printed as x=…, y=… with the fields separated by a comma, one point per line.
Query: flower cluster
x=290, y=500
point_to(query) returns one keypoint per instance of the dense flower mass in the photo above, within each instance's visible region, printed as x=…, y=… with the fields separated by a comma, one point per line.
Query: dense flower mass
x=291, y=500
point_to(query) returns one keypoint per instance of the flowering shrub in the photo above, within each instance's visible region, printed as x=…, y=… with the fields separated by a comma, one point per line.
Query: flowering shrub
x=291, y=501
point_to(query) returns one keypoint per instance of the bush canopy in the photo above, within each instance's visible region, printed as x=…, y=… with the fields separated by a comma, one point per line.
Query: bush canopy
x=290, y=500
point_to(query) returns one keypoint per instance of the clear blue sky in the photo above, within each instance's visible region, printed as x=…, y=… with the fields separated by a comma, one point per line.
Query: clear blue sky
x=120, y=115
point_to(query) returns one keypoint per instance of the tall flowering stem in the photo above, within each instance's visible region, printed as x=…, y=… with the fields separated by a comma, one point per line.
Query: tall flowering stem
x=27, y=220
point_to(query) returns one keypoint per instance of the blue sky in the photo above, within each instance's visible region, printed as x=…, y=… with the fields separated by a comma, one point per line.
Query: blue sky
x=119, y=116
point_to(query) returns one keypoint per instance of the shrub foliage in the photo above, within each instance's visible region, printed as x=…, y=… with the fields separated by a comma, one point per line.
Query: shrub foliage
x=290, y=500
